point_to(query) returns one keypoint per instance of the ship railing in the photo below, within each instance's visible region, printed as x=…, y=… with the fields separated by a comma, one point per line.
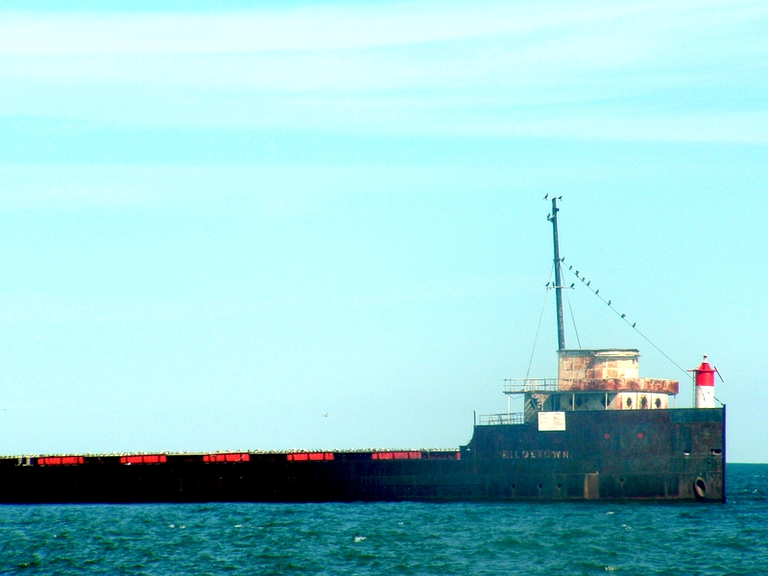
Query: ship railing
x=497, y=419
x=521, y=385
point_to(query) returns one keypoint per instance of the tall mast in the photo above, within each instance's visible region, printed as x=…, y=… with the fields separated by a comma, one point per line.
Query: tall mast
x=558, y=284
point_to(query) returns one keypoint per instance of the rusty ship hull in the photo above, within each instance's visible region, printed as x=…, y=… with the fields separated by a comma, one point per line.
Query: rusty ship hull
x=674, y=455
x=597, y=432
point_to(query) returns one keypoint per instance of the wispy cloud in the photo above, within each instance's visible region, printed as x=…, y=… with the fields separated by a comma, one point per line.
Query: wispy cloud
x=340, y=26
x=332, y=27
x=423, y=67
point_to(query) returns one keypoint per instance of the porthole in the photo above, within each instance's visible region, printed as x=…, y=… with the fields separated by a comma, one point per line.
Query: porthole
x=700, y=489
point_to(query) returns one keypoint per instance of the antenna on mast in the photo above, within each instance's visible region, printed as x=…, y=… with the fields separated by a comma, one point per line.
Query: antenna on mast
x=558, y=284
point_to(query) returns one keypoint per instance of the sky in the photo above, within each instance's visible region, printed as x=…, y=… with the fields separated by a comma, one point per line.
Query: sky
x=322, y=224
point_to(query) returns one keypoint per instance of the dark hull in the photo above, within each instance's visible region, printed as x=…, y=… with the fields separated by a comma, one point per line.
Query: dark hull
x=607, y=455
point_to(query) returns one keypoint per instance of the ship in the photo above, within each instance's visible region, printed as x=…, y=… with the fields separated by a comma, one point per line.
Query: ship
x=596, y=432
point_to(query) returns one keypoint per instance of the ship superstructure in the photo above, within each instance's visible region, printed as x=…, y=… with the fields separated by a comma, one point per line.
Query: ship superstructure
x=594, y=380
x=612, y=433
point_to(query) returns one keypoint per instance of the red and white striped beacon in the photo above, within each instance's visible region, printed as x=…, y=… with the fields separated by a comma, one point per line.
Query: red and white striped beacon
x=705, y=385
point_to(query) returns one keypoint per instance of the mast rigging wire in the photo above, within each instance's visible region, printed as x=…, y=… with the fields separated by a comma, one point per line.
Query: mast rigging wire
x=541, y=317
x=573, y=319
x=632, y=325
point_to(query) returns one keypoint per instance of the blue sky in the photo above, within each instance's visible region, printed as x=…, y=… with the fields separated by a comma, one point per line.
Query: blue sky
x=218, y=226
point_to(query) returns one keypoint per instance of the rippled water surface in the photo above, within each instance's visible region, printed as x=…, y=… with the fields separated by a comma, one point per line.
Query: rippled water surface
x=404, y=538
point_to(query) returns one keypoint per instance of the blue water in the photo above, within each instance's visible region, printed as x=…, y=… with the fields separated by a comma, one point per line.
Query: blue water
x=401, y=538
